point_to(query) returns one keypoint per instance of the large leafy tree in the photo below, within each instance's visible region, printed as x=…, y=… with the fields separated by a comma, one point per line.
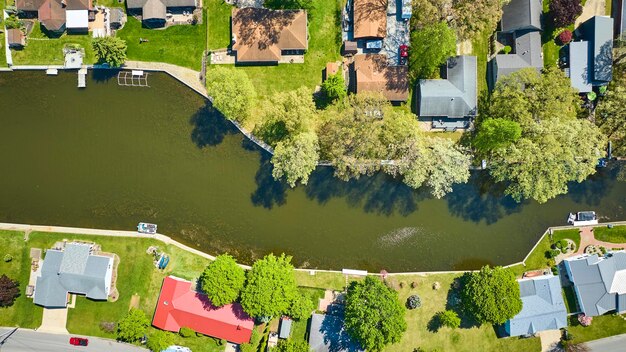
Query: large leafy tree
x=473, y=17
x=565, y=12
x=425, y=58
x=301, y=307
x=9, y=291
x=133, y=326
x=611, y=111
x=374, y=315
x=110, y=50
x=554, y=147
x=222, y=280
x=160, y=340
x=448, y=164
x=496, y=133
x=232, y=92
x=492, y=295
x=287, y=114
x=429, y=12
x=334, y=87
x=292, y=345
x=271, y=287
x=295, y=158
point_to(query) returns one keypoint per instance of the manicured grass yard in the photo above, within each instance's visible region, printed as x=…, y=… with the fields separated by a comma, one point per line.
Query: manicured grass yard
x=537, y=258
x=602, y=326
x=480, y=47
x=3, y=57
x=615, y=235
x=23, y=312
x=41, y=50
x=179, y=45
x=324, y=47
x=218, y=29
x=572, y=234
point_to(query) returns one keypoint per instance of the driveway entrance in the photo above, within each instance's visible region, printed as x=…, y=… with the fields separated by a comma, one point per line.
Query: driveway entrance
x=54, y=321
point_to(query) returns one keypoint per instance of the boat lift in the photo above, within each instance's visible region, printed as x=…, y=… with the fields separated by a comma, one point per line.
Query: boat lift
x=134, y=78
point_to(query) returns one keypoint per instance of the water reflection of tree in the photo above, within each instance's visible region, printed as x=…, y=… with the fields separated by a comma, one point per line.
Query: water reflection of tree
x=209, y=126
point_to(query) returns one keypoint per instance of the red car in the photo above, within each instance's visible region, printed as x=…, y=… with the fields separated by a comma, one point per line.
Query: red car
x=78, y=341
x=404, y=50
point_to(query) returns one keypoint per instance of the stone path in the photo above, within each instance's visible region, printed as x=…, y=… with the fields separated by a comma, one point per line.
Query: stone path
x=587, y=238
x=591, y=8
x=186, y=75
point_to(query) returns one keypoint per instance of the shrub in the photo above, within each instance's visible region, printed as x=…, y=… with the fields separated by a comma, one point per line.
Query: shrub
x=565, y=37
x=160, y=340
x=552, y=253
x=107, y=326
x=9, y=291
x=449, y=318
x=564, y=12
x=186, y=332
x=414, y=301
x=584, y=320
x=507, y=49
x=413, y=284
x=8, y=258
x=334, y=87
x=562, y=245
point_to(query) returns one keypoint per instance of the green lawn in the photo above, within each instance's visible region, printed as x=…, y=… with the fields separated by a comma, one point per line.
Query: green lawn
x=537, y=258
x=41, y=50
x=179, y=45
x=23, y=313
x=299, y=328
x=480, y=47
x=324, y=47
x=615, y=235
x=572, y=234
x=550, y=49
x=602, y=326
x=111, y=3
x=333, y=281
x=218, y=29
x=3, y=57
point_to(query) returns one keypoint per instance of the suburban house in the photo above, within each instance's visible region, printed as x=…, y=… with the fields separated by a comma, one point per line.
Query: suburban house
x=451, y=102
x=154, y=13
x=543, y=307
x=521, y=30
x=57, y=15
x=599, y=282
x=371, y=73
x=591, y=59
x=181, y=306
x=16, y=38
x=73, y=270
x=263, y=36
x=370, y=19
x=327, y=334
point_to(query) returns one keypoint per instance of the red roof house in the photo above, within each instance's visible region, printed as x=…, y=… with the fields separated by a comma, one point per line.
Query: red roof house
x=180, y=306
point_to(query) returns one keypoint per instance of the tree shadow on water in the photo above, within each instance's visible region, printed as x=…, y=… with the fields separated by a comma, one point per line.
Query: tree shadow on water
x=481, y=199
x=595, y=187
x=209, y=126
x=269, y=192
x=379, y=193
x=104, y=75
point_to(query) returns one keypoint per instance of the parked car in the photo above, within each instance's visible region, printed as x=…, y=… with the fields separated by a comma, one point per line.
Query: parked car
x=404, y=50
x=78, y=341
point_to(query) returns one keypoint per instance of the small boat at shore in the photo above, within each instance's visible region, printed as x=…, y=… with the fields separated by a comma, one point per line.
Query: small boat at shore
x=148, y=228
x=583, y=218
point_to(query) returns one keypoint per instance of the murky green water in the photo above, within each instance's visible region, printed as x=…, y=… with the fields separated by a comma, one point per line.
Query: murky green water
x=110, y=156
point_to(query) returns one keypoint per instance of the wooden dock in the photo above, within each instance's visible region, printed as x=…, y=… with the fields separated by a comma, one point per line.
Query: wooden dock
x=82, y=78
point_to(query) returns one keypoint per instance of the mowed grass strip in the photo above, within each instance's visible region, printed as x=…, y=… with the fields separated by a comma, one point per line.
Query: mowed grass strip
x=42, y=50
x=615, y=235
x=218, y=20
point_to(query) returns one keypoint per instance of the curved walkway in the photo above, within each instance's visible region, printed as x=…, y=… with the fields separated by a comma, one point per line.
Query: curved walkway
x=587, y=238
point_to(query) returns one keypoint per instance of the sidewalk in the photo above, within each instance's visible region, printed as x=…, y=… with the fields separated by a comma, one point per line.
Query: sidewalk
x=186, y=75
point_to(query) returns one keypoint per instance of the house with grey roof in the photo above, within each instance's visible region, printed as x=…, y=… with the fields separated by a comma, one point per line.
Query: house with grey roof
x=73, y=270
x=591, y=59
x=521, y=22
x=154, y=12
x=543, y=307
x=599, y=282
x=327, y=334
x=450, y=102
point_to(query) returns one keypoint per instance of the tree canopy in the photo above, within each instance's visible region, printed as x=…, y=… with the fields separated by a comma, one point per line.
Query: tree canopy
x=271, y=287
x=565, y=12
x=160, y=340
x=110, y=50
x=292, y=345
x=287, y=114
x=473, y=17
x=133, y=326
x=449, y=318
x=9, y=291
x=374, y=315
x=429, y=12
x=222, y=280
x=295, y=158
x=492, y=295
x=334, y=87
x=301, y=307
x=426, y=58
x=232, y=92
x=611, y=111
x=554, y=147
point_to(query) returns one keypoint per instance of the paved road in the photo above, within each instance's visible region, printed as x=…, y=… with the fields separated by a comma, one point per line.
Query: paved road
x=609, y=344
x=33, y=341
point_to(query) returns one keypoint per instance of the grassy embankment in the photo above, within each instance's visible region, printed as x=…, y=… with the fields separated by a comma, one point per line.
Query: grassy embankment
x=615, y=235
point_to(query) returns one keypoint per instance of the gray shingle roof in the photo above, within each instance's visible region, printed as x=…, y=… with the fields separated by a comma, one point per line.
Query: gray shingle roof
x=521, y=14
x=600, y=283
x=543, y=307
x=598, y=30
x=327, y=334
x=579, y=66
x=138, y=4
x=453, y=96
x=75, y=271
x=284, y=330
x=526, y=53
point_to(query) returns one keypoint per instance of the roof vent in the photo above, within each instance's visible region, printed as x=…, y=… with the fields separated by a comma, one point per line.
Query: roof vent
x=165, y=303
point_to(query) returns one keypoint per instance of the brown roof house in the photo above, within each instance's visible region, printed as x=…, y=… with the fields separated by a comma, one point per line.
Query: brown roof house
x=57, y=15
x=370, y=19
x=16, y=38
x=154, y=12
x=373, y=74
x=51, y=14
x=263, y=36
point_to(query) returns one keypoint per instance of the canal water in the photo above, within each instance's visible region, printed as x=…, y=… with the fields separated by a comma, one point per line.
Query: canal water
x=110, y=156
